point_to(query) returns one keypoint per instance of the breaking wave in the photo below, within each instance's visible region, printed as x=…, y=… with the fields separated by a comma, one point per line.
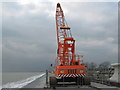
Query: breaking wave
x=0, y=87
x=22, y=83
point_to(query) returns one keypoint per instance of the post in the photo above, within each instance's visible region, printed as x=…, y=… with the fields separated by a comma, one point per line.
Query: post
x=47, y=78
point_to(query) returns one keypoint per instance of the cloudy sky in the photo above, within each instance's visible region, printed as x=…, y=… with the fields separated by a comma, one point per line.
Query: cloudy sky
x=29, y=36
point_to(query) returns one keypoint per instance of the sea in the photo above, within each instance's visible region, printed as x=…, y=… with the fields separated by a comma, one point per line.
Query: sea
x=21, y=79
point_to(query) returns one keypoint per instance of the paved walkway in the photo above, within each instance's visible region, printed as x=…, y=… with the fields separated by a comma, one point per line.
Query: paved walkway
x=103, y=87
x=38, y=83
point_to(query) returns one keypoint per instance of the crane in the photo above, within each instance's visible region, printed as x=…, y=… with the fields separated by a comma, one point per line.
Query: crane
x=68, y=67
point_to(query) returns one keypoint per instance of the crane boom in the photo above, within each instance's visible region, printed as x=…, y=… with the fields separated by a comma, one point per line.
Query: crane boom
x=65, y=40
x=60, y=22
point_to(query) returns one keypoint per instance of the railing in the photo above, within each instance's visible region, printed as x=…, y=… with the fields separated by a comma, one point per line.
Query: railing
x=102, y=77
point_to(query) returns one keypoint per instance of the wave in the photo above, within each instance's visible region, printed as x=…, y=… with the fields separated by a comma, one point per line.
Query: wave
x=22, y=83
x=0, y=87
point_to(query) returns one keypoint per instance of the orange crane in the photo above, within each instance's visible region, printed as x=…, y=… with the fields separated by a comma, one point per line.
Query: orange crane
x=68, y=67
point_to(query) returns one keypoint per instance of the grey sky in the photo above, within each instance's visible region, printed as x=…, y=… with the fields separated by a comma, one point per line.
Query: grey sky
x=29, y=36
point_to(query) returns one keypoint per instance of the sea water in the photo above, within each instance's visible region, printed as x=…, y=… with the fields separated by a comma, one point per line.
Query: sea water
x=19, y=79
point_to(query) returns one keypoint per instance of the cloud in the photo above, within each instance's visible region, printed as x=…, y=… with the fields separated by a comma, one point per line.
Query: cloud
x=27, y=1
x=29, y=35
